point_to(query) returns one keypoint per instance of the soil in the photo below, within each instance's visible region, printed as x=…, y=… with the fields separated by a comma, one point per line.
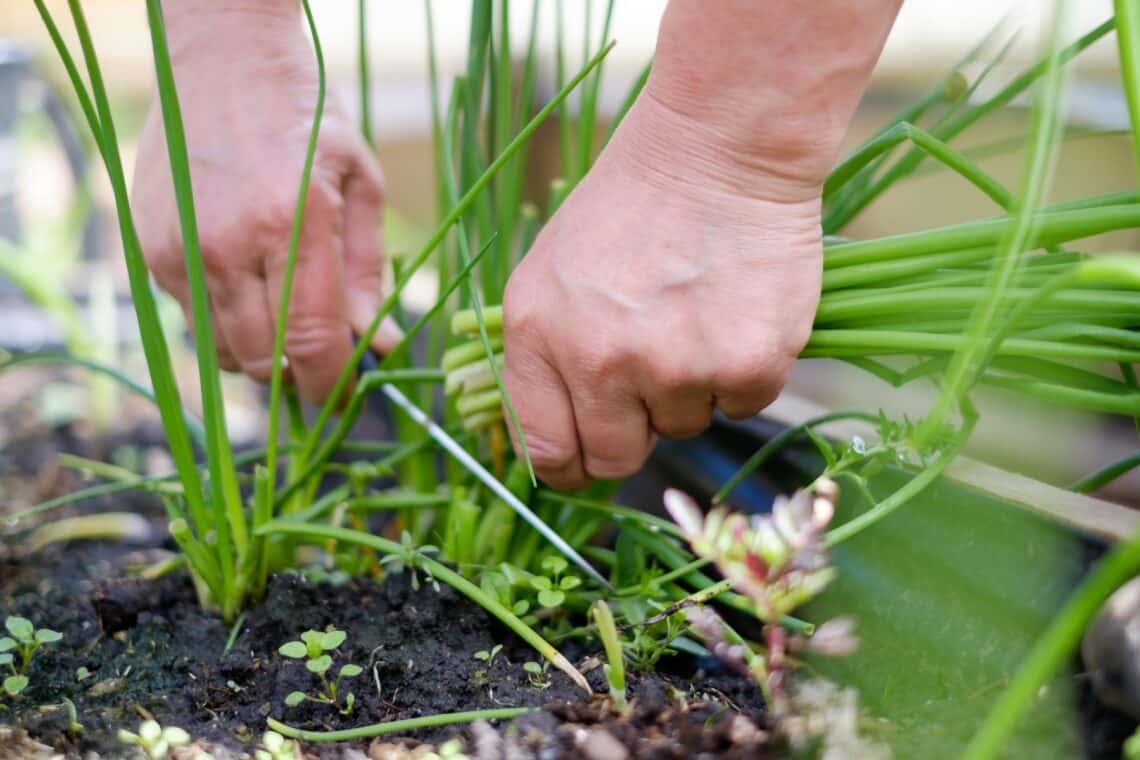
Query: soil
x=148, y=651
x=134, y=650
x=151, y=652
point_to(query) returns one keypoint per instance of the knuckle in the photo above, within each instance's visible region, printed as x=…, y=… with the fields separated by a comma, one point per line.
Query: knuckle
x=682, y=427
x=258, y=369
x=611, y=468
x=550, y=455
x=309, y=339
x=671, y=374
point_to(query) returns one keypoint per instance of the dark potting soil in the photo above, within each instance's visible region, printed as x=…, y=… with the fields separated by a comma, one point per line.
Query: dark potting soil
x=150, y=652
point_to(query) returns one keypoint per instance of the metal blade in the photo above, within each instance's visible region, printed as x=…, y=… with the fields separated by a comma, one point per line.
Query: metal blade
x=472, y=465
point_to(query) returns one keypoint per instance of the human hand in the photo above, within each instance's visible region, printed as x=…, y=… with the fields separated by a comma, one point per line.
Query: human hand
x=673, y=280
x=247, y=82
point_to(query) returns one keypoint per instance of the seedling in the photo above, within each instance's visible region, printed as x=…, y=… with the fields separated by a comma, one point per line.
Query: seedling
x=536, y=674
x=488, y=656
x=409, y=560
x=552, y=590
x=314, y=648
x=154, y=741
x=615, y=668
x=274, y=746
x=18, y=649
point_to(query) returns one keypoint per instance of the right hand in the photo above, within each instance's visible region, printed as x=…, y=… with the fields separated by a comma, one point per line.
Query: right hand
x=247, y=81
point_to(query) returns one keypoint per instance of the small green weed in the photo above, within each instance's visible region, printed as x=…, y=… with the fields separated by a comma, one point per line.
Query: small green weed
x=18, y=649
x=314, y=648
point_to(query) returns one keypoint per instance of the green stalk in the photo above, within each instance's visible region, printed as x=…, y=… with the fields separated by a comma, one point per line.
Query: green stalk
x=398, y=726
x=1106, y=475
x=916, y=485
x=1054, y=648
x=229, y=519
x=336, y=439
x=1049, y=227
x=415, y=263
x=587, y=119
x=928, y=144
x=615, y=667
x=836, y=219
x=364, y=72
x=440, y=572
x=477, y=306
x=276, y=378
x=97, y=110
x=193, y=427
x=1127, y=19
x=1040, y=158
x=778, y=442
x=839, y=343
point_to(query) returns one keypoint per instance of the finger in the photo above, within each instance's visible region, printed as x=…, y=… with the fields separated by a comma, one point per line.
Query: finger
x=751, y=392
x=613, y=430
x=364, y=253
x=318, y=339
x=176, y=285
x=681, y=413
x=545, y=414
x=245, y=322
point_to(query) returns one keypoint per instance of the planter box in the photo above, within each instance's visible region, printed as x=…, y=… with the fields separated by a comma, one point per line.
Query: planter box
x=949, y=592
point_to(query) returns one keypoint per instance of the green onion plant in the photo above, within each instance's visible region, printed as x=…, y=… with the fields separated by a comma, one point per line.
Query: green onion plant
x=1008, y=302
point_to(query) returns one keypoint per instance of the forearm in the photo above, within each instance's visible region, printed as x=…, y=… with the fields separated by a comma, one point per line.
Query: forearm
x=772, y=83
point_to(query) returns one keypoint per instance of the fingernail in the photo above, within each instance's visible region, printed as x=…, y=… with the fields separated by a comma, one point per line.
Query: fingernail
x=388, y=336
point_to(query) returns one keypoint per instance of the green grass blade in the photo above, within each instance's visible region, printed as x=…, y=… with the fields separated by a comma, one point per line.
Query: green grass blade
x=50, y=357
x=968, y=362
x=155, y=350
x=477, y=306
x=229, y=519
x=1128, y=46
x=276, y=379
x=364, y=71
x=445, y=226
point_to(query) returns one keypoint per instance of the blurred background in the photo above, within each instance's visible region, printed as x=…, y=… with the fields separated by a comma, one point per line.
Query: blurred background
x=62, y=282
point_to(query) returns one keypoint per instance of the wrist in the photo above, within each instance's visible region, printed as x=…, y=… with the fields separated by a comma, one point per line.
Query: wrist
x=712, y=150
x=205, y=26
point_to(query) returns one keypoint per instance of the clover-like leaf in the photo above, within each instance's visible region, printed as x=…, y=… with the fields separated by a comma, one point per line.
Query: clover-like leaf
x=7, y=643
x=521, y=607
x=570, y=582
x=532, y=667
x=48, y=636
x=350, y=671
x=295, y=698
x=13, y=685
x=294, y=649
x=6, y=658
x=332, y=640
x=319, y=665
x=21, y=628
x=541, y=583
x=551, y=598
x=555, y=564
